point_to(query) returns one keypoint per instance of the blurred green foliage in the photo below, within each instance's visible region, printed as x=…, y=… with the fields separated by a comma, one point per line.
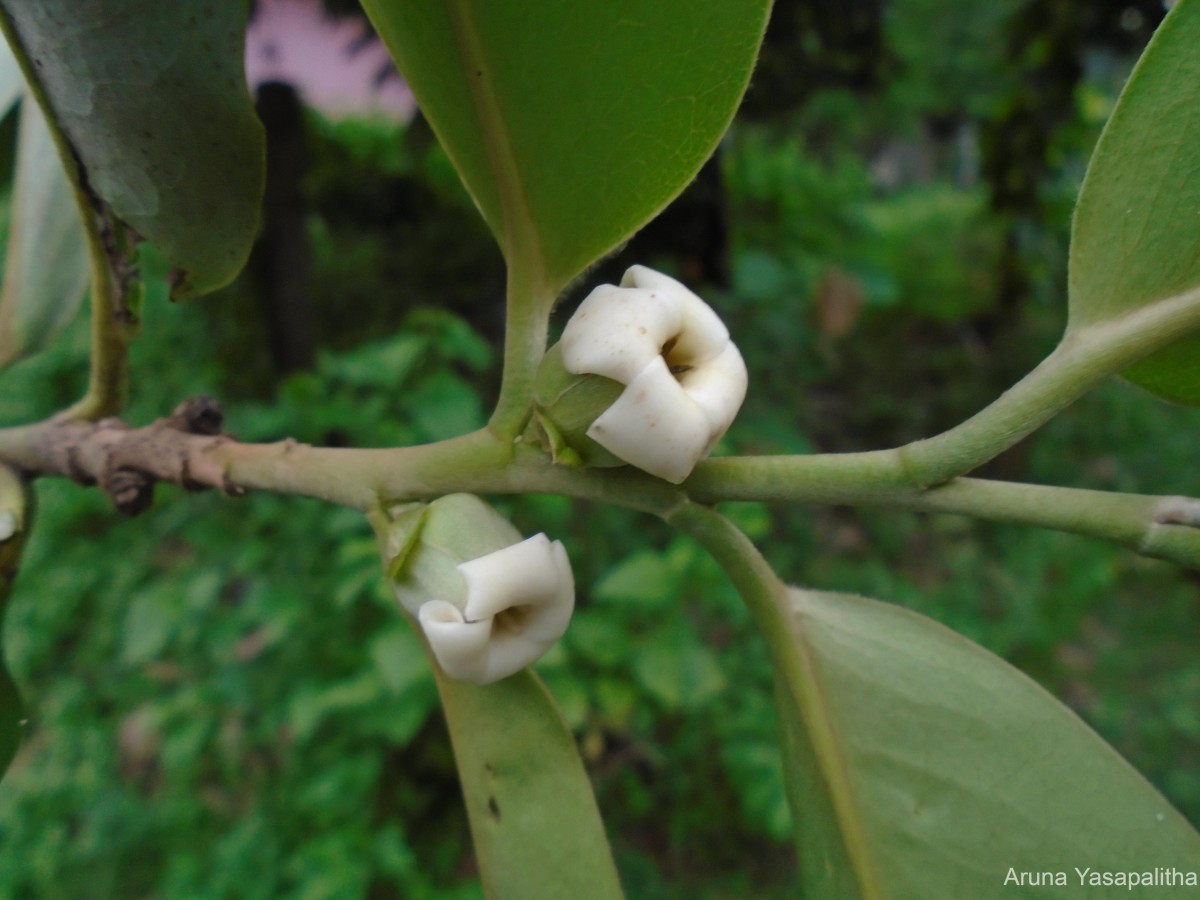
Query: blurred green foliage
x=223, y=699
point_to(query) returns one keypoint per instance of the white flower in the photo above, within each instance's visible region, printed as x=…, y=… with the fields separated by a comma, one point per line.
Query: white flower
x=685, y=380
x=518, y=602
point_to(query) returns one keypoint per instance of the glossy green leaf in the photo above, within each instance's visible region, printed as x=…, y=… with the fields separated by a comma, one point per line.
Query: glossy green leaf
x=1136, y=235
x=920, y=766
x=536, y=829
x=572, y=124
x=152, y=99
x=46, y=263
x=15, y=515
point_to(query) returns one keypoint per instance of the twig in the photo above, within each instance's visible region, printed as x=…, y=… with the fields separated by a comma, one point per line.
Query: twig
x=188, y=449
x=127, y=462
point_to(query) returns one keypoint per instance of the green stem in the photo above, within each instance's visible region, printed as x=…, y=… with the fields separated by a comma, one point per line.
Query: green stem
x=1157, y=526
x=1085, y=357
x=112, y=331
x=475, y=463
x=480, y=462
x=529, y=296
x=897, y=478
x=525, y=328
x=765, y=595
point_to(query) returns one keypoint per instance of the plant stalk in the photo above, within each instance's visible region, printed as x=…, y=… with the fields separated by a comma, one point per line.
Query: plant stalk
x=1163, y=527
x=113, y=325
x=1084, y=358
x=525, y=328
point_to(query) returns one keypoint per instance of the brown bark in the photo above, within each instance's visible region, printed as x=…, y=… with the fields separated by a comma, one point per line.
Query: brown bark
x=127, y=462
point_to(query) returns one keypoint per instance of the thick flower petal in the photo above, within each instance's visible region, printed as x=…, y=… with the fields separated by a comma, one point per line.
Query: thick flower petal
x=519, y=601
x=718, y=387
x=655, y=425
x=616, y=331
x=699, y=334
x=461, y=647
x=685, y=380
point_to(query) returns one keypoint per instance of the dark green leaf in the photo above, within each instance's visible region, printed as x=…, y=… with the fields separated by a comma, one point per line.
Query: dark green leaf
x=1136, y=238
x=572, y=124
x=152, y=100
x=920, y=765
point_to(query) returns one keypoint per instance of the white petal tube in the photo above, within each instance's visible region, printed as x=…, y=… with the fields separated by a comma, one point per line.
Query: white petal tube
x=685, y=380
x=519, y=601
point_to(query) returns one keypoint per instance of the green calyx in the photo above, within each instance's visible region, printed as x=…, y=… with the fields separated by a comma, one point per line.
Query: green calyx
x=422, y=545
x=565, y=406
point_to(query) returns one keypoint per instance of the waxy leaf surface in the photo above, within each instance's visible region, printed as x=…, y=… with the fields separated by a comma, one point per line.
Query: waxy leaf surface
x=920, y=766
x=572, y=124
x=152, y=100
x=1136, y=235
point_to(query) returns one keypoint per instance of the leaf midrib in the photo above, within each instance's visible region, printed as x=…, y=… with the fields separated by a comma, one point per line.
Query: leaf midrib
x=521, y=241
x=809, y=696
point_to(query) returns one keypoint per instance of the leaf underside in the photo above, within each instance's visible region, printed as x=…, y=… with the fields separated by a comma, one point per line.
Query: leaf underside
x=46, y=262
x=152, y=100
x=536, y=829
x=921, y=765
x=1136, y=234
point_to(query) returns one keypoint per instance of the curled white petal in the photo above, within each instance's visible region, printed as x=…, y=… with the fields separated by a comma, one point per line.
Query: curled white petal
x=616, y=331
x=701, y=335
x=718, y=387
x=460, y=646
x=655, y=425
x=685, y=380
x=519, y=601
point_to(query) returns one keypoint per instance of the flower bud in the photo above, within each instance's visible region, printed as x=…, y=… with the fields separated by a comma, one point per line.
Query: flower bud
x=489, y=603
x=684, y=380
